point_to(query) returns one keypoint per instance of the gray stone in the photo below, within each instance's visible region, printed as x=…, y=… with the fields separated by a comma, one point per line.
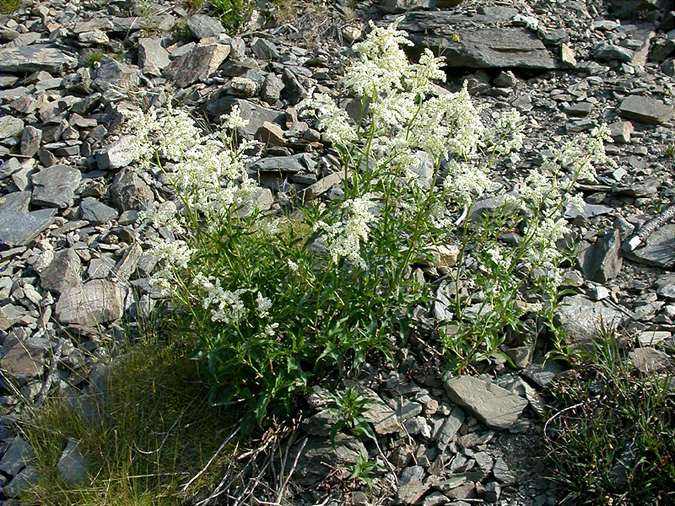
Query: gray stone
x=72, y=466
x=128, y=191
x=321, y=456
x=34, y=58
x=645, y=109
x=264, y=49
x=477, y=41
x=22, y=361
x=659, y=250
x=17, y=455
x=271, y=88
x=114, y=75
x=10, y=127
x=590, y=211
x=611, y=52
x=63, y=272
x=197, y=65
x=648, y=360
x=128, y=263
x=285, y=164
x=627, y=9
x=665, y=286
x=116, y=156
x=30, y=141
x=95, y=211
x=449, y=427
x=18, y=226
x=582, y=319
x=26, y=478
x=411, y=485
x=97, y=301
x=55, y=186
x=653, y=337
x=621, y=131
x=490, y=403
x=203, y=26
x=602, y=261
x=502, y=473
x=152, y=57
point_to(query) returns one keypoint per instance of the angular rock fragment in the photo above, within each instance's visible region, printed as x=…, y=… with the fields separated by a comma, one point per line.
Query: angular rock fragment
x=34, y=58
x=72, y=466
x=95, y=211
x=582, y=319
x=648, y=360
x=197, y=65
x=602, y=261
x=128, y=191
x=63, y=272
x=18, y=226
x=55, y=186
x=203, y=26
x=97, y=301
x=659, y=250
x=254, y=114
x=22, y=361
x=490, y=403
x=477, y=41
x=10, y=127
x=645, y=109
x=152, y=57
x=285, y=164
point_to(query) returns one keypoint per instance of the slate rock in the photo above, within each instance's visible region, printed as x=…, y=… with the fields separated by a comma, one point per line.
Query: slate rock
x=203, y=26
x=411, y=485
x=602, y=261
x=17, y=455
x=648, y=360
x=128, y=191
x=611, y=52
x=114, y=75
x=97, y=301
x=117, y=155
x=645, y=109
x=285, y=164
x=659, y=249
x=197, y=65
x=582, y=318
x=493, y=405
x=18, y=226
x=22, y=482
x=22, y=361
x=95, y=211
x=665, y=286
x=10, y=127
x=152, y=57
x=320, y=456
x=72, y=467
x=477, y=41
x=34, y=58
x=653, y=337
x=63, y=272
x=55, y=186
x=30, y=141
x=256, y=115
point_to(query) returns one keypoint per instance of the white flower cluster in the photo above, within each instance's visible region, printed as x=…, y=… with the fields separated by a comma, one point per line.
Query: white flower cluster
x=171, y=256
x=343, y=239
x=226, y=306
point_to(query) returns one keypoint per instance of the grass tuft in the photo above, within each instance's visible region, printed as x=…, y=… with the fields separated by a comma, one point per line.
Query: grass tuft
x=149, y=435
x=233, y=14
x=611, y=440
x=9, y=6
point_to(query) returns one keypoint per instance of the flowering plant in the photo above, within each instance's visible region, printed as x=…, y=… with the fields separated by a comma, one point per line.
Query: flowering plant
x=278, y=302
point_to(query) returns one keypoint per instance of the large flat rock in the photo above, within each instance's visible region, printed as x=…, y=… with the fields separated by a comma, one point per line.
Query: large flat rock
x=34, y=58
x=91, y=304
x=582, y=319
x=19, y=226
x=493, y=405
x=481, y=41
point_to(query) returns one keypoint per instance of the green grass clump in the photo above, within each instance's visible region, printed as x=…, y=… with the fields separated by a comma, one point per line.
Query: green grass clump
x=154, y=431
x=233, y=14
x=611, y=439
x=9, y=6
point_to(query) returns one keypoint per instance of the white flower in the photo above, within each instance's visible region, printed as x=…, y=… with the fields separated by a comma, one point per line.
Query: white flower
x=465, y=182
x=292, y=266
x=577, y=202
x=233, y=120
x=263, y=304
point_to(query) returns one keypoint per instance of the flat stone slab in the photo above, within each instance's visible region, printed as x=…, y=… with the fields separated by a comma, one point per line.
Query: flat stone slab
x=582, y=318
x=493, y=405
x=27, y=59
x=659, y=250
x=97, y=301
x=18, y=226
x=645, y=109
x=478, y=41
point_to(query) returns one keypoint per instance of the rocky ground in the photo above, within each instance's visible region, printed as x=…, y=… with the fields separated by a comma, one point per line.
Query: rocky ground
x=74, y=263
